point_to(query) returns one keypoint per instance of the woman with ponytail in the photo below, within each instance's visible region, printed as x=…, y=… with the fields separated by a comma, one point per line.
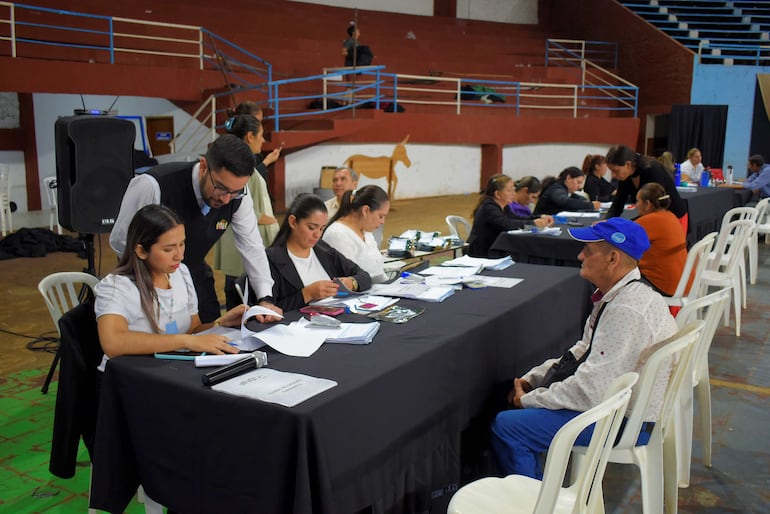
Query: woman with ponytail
x=493, y=215
x=361, y=212
x=596, y=187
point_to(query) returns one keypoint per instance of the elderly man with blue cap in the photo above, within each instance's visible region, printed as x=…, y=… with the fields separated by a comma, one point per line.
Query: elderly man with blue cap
x=628, y=317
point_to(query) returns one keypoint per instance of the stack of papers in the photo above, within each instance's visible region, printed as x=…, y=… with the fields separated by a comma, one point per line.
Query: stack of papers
x=473, y=262
x=353, y=333
x=415, y=291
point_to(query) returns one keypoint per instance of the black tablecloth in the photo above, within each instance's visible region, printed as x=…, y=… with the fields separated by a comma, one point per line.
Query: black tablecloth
x=388, y=436
x=705, y=208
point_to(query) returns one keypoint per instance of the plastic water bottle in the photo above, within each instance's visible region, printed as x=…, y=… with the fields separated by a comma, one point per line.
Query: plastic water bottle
x=705, y=177
x=729, y=177
x=677, y=175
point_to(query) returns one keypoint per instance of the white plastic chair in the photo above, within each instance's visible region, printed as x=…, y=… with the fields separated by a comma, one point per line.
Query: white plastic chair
x=519, y=494
x=723, y=268
x=49, y=184
x=745, y=213
x=61, y=292
x=697, y=257
x=658, y=456
x=6, y=219
x=763, y=226
x=709, y=309
x=455, y=222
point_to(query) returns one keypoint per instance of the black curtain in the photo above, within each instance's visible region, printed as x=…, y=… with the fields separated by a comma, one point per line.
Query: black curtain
x=699, y=126
x=760, y=128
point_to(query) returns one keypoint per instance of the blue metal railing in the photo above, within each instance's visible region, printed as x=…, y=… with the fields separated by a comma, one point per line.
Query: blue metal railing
x=288, y=98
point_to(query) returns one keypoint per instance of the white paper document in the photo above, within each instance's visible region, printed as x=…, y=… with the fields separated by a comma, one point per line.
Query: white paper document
x=269, y=385
x=579, y=214
x=413, y=290
x=494, y=281
x=473, y=262
x=451, y=271
x=549, y=231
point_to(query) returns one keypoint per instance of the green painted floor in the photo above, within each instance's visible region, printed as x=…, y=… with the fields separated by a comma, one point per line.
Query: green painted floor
x=26, y=421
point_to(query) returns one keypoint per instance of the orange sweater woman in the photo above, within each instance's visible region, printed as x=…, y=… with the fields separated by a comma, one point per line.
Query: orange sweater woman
x=664, y=262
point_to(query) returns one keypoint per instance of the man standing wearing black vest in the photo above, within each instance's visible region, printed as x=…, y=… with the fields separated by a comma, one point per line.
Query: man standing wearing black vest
x=209, y=195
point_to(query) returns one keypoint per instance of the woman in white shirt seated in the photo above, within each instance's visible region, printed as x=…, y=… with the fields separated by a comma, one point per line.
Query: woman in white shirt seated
x=304, y=268
x=148, y=303
x=692, y=168
x=361, y=212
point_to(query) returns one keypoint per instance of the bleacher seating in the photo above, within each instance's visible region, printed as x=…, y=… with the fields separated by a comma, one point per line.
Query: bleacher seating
x=724, y=32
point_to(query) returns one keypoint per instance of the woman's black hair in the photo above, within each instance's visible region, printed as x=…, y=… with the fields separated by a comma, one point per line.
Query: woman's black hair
x=303, y=206
x=571, y=172
x=148, y=224
x=242, y=124
x=351, y=29
x=531, y=183
x=495, y=183
x=248, y=107
x=618, y=155
x=353, y=201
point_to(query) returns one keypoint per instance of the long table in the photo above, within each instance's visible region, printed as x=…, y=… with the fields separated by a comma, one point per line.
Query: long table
x=705, y=207
x=387, y=438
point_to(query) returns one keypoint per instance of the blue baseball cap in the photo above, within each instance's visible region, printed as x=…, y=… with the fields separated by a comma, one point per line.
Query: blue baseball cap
x=627, y=236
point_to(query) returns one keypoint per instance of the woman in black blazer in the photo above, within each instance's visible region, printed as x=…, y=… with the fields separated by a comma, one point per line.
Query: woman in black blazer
x=304, y=267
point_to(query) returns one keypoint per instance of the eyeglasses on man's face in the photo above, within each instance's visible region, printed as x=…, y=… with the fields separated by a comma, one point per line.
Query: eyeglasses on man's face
x=220, y=190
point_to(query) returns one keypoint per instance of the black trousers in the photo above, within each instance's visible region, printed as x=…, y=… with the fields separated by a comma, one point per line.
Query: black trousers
x=208, y=303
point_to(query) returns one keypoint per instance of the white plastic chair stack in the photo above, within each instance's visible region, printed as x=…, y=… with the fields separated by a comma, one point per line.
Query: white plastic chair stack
x=658, y=456
x=746, y=213
x=763, y=224
x=723, y=269
x=697, y=258
x=6, y=220
x=455, y=222
x=709, y=309
x=520, y=494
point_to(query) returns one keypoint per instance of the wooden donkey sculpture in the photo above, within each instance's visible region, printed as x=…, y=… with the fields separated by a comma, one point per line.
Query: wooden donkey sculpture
x=382, y=166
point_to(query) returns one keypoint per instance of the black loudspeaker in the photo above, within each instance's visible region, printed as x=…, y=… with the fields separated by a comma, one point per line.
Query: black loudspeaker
x=94, y=164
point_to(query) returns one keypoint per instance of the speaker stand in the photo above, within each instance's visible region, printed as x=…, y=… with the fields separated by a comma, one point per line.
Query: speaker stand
x=85, y=291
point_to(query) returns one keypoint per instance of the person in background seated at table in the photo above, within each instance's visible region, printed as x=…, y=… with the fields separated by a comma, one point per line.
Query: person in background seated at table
x=628, y=317
x=597, y=189
x=526, y=192
x=633, y=171
x=758, y=180
x=559, y=193
x=226, y=256
x=493, y=215
x=666, y=159
x=692, y=168
x=344, y=179
x=148, y=303
x=664, y=262
x=304, y=267
x=350, y=230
